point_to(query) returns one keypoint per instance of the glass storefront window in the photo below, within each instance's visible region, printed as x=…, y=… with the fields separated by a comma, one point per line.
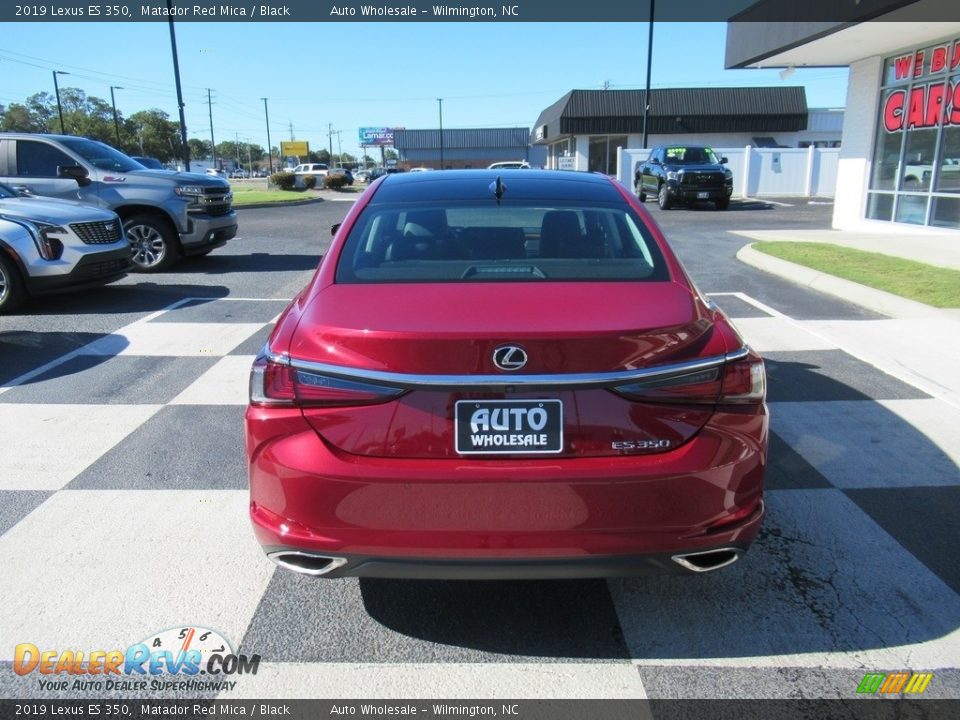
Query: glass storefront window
x=916, y=155
x=603, y=153
x=948, y=178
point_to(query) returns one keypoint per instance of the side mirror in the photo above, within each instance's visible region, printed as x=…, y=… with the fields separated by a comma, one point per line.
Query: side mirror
x=655, y=161
x=723, y=160
x=334, y=228
x=76, y=172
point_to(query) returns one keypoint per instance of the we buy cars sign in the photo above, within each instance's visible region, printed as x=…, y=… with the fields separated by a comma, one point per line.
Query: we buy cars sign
x=925, y=104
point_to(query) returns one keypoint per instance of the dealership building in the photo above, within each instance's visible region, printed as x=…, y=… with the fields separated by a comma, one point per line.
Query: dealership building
x=584, y=128
x=899, y=158
x=464, y=147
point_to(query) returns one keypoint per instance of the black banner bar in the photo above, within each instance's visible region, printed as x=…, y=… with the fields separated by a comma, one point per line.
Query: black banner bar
x=296, y=11
x=851, y=709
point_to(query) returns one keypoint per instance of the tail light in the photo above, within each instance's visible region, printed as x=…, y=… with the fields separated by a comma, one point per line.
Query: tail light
x=741, y=379
x=273, y=381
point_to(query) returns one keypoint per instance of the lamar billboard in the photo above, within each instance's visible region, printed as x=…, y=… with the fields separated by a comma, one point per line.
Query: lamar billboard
x=376, y=136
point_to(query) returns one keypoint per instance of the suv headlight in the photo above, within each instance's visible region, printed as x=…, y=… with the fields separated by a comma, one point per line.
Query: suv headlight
x=189, y=190
x=44, y=236
x=673, y=175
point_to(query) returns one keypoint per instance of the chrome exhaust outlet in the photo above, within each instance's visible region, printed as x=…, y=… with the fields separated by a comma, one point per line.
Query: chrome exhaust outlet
x=708, y=560
x=306, y=563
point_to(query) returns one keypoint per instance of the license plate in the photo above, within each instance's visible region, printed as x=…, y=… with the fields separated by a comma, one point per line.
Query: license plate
x=702, y=195
x=492, y=427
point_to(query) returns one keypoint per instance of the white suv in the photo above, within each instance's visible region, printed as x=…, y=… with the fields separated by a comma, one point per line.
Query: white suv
x=318, y=169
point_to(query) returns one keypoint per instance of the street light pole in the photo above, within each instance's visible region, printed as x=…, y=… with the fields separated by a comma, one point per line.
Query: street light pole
x=440, y=103
x=646, y=96
x=113, y=102
x=269, y=146
x=176, y=73
x=56, y=89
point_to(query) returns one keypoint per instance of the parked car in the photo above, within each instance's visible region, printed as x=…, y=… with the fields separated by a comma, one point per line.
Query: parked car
x=362, y=176
x=239, y=174
x=510, y=165
x=684, y=173
x=214, y=172
x=317, y=169
x=49, y=246
x=150, y=163
x=342, y=171
x=552, y=398
x=165, y=214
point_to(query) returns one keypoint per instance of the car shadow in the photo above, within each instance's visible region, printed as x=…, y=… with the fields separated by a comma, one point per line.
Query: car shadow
x=855, y=554
x=214, y=263
x=117, y=299
x=25, y=350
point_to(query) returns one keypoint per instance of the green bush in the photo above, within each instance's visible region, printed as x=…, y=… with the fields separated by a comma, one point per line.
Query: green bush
x=309, y=182
x=283, y=180
x=334, y=182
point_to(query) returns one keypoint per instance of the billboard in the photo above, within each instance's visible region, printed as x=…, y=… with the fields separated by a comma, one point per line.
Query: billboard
x=294, y=148
x=376, y=136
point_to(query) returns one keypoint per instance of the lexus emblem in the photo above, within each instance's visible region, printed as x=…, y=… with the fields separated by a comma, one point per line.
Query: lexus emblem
x=509, y=357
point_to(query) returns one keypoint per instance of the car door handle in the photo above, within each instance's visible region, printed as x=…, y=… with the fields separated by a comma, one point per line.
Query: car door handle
x=23, y=190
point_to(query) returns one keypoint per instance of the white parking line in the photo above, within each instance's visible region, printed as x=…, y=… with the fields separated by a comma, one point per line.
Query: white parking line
x=765, y=200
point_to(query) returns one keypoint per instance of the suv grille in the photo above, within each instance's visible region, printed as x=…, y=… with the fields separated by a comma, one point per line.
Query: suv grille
x=215, y=201
x=703, y=179
x=98, y=233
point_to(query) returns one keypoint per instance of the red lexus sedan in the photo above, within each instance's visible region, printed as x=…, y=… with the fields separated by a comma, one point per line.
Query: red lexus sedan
x=504, y=374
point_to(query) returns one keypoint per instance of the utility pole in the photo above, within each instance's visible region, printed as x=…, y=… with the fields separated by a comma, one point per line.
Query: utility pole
x=339, y=149
x=646, y=96
x=176, y=73
x=113, y=103
x=236, y=137
x=330, y=140
x=291, y=130
x=440, y=103
x=213, y=144
x=56, y=89
x=269, y=146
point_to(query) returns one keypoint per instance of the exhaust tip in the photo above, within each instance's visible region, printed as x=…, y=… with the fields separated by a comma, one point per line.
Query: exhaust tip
x=709, y=560
x=306, y=563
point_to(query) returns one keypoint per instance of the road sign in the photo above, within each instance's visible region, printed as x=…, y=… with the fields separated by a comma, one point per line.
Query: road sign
x=294, y=148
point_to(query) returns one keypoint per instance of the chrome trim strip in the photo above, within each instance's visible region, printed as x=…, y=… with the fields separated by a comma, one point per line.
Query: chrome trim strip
x=486, y=382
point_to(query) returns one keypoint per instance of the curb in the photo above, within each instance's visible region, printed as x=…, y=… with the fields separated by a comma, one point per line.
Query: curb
x=280, y=204
x=868, y=297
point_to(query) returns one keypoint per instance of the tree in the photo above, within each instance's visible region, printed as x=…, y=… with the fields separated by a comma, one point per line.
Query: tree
x=391, y=154
x=199, y=148
x=18, y=118
x=319, y=157
x=153, y=134
x=245, y=153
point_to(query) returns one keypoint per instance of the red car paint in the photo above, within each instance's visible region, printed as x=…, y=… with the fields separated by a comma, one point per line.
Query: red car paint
x=369, y=476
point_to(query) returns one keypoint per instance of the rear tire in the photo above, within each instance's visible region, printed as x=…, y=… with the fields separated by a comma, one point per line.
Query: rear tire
x=663, y=197
x=722, y=204
x=12, y=293
x=153, y=243
x=642, y=196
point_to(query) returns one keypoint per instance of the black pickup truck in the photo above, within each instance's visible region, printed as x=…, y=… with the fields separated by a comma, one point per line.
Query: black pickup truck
x=684, y=173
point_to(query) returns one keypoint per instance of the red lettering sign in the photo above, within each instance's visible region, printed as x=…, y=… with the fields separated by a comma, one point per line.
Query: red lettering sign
x=915, y=108
x=955, y=60
x=938, y=59
x=955, y=112
x=893, y=111
x=901, y=66
x=918, y=64
x=935, y=98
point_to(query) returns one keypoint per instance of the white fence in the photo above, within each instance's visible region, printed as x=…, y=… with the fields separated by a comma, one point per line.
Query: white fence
x=762, y=172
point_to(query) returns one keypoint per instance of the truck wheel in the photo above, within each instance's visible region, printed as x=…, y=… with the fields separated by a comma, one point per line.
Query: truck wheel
x=722, y=204
x=642, y=196
x=153, y=243
x=11, y=286
x=663, y=197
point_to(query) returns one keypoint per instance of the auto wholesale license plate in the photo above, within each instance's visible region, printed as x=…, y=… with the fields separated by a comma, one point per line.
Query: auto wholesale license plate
x=702, y=195
x=485, y=427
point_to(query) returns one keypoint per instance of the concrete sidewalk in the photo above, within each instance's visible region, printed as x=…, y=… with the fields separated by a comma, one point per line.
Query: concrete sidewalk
x=919, y=343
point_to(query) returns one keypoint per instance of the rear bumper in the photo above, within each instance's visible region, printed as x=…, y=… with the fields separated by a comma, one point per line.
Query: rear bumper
x=582, y=517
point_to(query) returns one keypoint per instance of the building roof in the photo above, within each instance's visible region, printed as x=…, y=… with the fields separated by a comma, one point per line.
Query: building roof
x=674, y=110
x=494, y=138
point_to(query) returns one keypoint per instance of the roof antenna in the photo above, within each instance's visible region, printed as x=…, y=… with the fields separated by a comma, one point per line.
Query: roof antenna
x=498, y=188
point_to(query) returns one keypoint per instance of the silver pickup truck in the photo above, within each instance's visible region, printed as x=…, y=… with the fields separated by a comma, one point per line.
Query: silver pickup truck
x=165, y=214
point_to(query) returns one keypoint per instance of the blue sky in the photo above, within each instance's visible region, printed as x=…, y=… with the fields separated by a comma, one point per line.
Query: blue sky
x=370, y=74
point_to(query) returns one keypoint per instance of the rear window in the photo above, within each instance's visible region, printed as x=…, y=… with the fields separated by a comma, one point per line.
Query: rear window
x=519, y=243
